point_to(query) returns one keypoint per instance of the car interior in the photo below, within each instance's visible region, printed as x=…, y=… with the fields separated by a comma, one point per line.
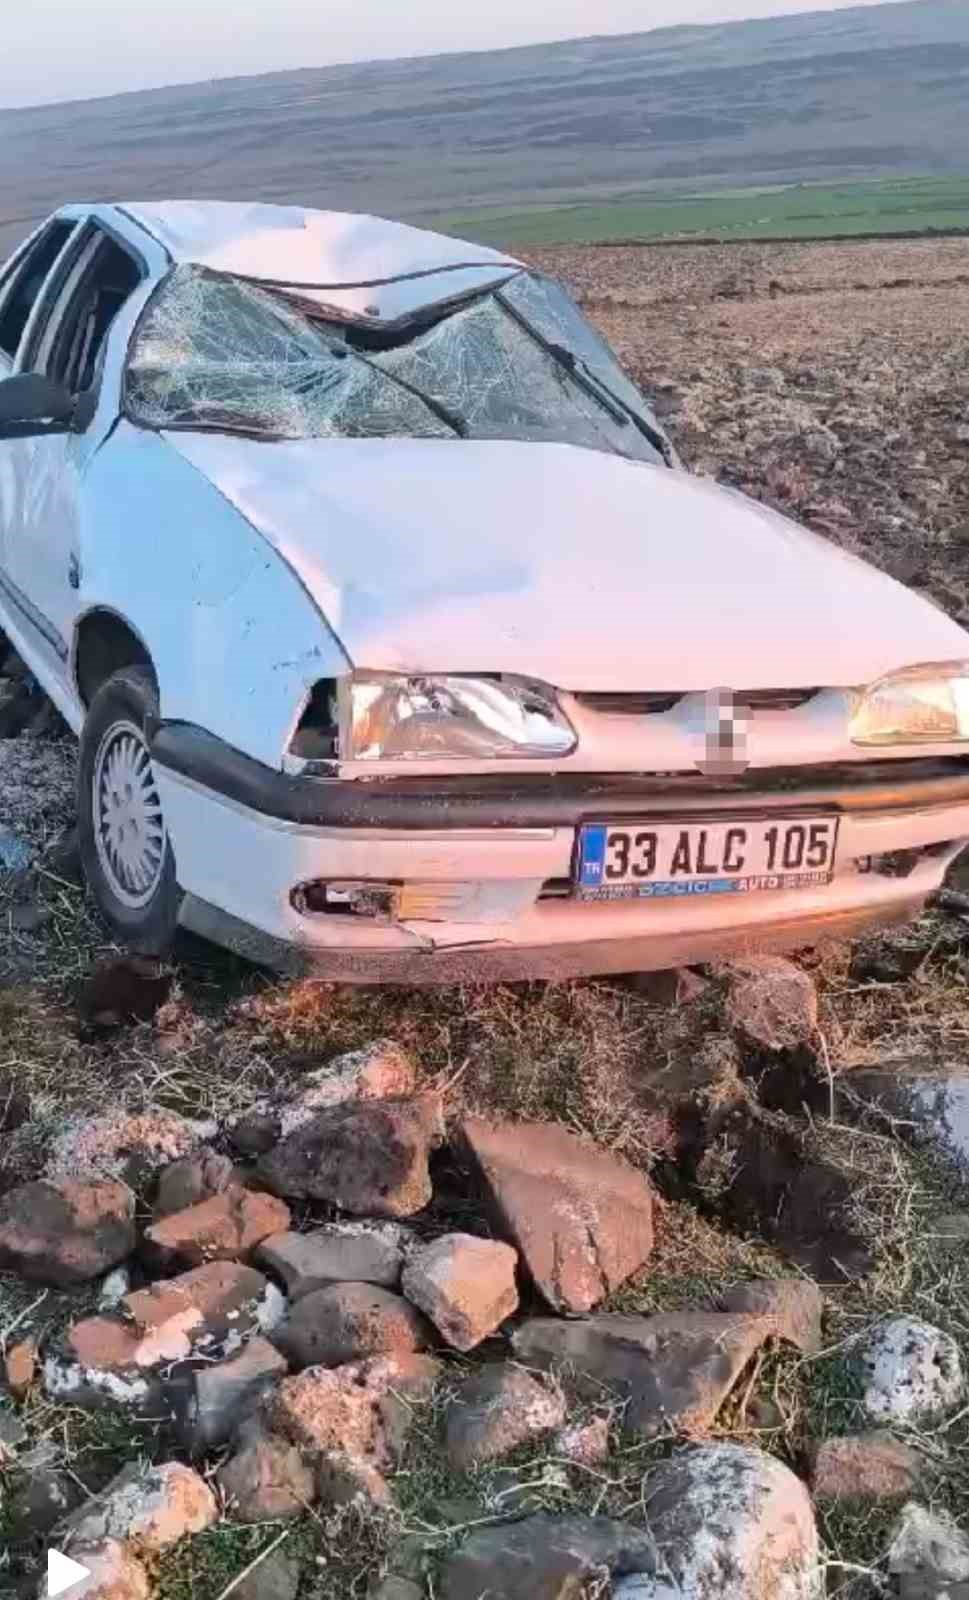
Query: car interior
x=78, y=333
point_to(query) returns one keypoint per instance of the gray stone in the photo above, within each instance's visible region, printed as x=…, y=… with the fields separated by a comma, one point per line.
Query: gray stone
x=12, y=1432
x=732, y=1523
x=910, y=1370
x=255, y=1134
x=496, y=1410
x=545, y=1558
x=44, y=1500
x=267, y=1478
x=277, y=1577
x=209, y=1402
x=674, y=1370
x=369, y=1157
x=340, y=1253
x=394, y=1588
x=190, y=1180
x=15, y=853
x=792, y=1305
x=928, y=1555
x=152, y=1507
x=65, y=1233
x=929, y=1098
x=349, y=1321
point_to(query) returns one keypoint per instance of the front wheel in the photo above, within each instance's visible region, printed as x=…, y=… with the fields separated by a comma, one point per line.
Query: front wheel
x=125, y=849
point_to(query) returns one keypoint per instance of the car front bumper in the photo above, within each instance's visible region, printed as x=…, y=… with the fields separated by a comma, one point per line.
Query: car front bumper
x=481, y=870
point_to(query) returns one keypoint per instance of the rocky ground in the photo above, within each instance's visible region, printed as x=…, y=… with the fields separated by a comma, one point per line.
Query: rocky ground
x=642, y=1288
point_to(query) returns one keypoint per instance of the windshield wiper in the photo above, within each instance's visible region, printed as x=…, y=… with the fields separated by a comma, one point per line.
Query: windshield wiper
x=590, y=382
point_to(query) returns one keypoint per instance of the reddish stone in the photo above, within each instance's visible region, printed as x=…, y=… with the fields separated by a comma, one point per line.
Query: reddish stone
x=582, y=1218
x=66, y=1232
x=226, y=1227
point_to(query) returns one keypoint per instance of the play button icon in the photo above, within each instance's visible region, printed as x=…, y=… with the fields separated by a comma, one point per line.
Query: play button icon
x=63, y=1573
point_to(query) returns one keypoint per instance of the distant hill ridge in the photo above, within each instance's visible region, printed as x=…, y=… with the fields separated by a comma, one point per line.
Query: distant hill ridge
x=869, y=91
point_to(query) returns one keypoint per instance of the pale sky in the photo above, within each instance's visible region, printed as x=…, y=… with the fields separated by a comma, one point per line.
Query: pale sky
x=73, y=49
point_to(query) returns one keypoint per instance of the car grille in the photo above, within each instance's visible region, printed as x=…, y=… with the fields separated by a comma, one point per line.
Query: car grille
x=646, y=704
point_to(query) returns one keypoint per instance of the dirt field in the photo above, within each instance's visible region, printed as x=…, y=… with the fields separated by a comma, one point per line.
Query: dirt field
x=832, y=381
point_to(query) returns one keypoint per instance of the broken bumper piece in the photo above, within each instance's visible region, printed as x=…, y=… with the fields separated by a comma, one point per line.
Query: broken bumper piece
x=435, y=898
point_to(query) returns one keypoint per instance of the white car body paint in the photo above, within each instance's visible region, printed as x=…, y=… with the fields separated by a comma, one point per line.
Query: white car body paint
x=581, y=569
x=250, y=570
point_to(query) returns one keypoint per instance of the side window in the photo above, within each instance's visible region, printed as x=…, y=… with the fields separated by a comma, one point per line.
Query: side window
x=69, y=338
x=26, y=283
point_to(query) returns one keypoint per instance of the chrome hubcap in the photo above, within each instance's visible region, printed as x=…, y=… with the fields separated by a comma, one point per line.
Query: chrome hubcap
x=128, y=823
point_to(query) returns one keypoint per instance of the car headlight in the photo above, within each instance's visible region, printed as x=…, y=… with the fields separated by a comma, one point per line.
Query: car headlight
x=922, y=705
x=393, y=717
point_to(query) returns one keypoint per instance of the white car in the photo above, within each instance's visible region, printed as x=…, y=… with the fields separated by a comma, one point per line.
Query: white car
x=399, y=642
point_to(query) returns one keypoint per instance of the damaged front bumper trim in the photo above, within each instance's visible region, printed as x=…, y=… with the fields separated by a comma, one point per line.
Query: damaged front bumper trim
x=545, y=800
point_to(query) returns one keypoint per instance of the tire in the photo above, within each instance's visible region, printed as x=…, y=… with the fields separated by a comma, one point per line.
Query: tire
x=125, y=849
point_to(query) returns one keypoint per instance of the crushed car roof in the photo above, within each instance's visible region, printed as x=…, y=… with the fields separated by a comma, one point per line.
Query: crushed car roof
x=296, y=246
x=361, y=266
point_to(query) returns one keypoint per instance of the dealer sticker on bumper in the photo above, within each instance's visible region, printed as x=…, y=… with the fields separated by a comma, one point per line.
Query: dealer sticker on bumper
x=662, y=860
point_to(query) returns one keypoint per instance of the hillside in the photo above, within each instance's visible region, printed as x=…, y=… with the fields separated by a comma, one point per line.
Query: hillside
x=869, y=92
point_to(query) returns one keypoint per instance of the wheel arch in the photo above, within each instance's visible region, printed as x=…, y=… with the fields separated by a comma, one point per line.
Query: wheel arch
x=104, y=642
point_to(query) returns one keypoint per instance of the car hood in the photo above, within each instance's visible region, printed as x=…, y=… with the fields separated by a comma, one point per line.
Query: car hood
x=567, y=565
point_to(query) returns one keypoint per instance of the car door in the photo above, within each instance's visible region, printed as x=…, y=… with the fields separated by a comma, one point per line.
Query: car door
x=21, y=283
x=65, y=338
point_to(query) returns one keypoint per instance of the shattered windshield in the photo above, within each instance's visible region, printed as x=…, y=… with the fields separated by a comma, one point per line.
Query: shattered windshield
x=519, y=362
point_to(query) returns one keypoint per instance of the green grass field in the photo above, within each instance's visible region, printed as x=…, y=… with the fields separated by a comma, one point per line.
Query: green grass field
x=798, y=211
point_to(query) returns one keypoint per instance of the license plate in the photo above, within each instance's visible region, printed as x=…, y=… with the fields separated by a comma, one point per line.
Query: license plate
x=663, y=860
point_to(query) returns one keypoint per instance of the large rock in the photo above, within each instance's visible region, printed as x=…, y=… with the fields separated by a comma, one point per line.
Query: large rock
x=150, y=1507
x=465, y=1285
x=67, y=1232
x=43, y=1500
x=342, y=1252
x=496, y=1410
x=928, y=1556
x=226, y=1227
x=130, y=1146
x=208, y=1311
x=910, y=1371
x=865, y=1467
x=208, y=1402
x=368, y=1157
x=349, y=1321
x=582, y=1219
x=674, y=1370
x=731, y=1523
x=929, y=1098
x=355, y=1419
x=545, y=1558
x=771, y=1003
x=378, y=1071
x=793, y=1306
x=267, y=1478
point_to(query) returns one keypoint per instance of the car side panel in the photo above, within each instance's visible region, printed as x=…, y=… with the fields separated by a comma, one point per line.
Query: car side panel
x=235, y=639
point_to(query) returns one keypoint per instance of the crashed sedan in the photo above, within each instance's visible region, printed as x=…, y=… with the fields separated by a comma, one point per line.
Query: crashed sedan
x=398, y=641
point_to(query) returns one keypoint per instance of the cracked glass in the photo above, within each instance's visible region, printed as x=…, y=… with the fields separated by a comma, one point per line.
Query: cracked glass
x=218, y=352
